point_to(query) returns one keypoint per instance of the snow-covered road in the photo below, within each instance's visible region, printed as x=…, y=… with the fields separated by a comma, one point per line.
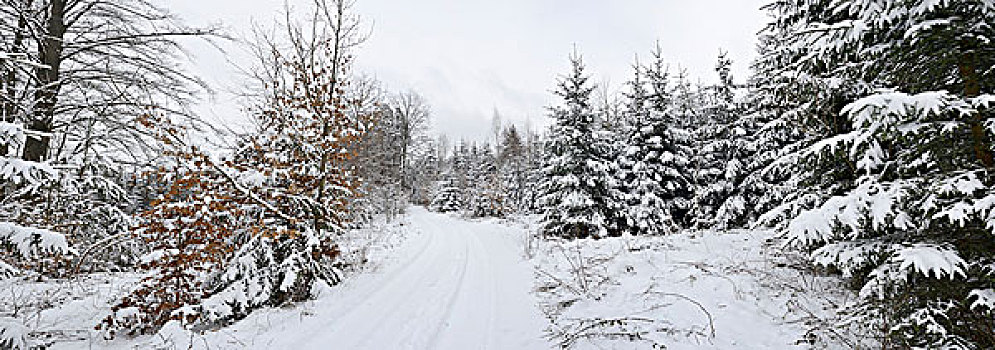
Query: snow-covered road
x=456, y=285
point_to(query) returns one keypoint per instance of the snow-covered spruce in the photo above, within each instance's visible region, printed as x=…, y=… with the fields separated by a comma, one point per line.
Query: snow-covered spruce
x=720, y=154
x=513, y=169
x=653, y=164
x=577, y=190
x=448, y=197
x=895, y=192
x=487, y=198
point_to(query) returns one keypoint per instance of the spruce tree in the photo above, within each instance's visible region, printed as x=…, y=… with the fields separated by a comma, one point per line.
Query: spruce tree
x=487, y=197
x=644, y=164
x=895, y=193
x=448, y=197
x=451, y=193
x=512, y=168
x=576, y=190
x=660, y=147
x=535, y=159
x=718, y=155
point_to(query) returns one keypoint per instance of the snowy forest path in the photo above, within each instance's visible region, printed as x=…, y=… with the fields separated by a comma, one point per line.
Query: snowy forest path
x=457, y=285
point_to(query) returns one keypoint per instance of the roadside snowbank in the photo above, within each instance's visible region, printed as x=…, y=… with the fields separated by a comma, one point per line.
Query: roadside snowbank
x=62, y=314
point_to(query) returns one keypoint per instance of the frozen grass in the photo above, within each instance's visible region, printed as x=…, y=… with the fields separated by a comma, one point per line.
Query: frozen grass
x=696, y=290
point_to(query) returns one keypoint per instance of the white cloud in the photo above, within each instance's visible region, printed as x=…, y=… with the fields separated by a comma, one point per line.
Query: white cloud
x=469, y=57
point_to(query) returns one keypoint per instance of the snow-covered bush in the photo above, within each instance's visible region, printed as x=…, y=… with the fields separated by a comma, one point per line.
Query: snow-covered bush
x=84, y=203
x=256, y=227
x=46, y=210
x=31, y=243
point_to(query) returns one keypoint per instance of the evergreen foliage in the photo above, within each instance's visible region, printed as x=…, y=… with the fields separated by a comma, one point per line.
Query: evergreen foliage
x=448, y=197
x=897, y=197
x=720, y=154
x=864, y=138
x=647, y=172
x=513, y=169
x=487, y=199
x=659, y=148
x=576, y=192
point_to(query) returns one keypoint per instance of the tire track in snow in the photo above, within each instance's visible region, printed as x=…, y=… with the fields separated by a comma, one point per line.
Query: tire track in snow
x=461, y=285
x=425, y=275
x=391, y=275
x=445, y=320
x=401, y=311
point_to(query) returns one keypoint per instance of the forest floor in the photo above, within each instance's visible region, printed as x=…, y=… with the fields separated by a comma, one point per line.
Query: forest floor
x=437, y=281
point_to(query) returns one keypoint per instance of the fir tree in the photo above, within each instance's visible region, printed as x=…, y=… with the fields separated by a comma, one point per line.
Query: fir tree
x=719, y=153
x=899, y=196
x=448, y=197
x=576, y=190
x=644, y=164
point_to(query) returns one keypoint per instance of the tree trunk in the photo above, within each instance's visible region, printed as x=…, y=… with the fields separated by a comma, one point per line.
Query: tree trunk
x=337, y=36
x=50, y=55
x=972, y=88
x=402, y=156
x=9, y=101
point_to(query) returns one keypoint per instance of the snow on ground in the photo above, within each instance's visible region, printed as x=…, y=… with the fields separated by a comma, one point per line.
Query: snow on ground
x=55, y=312
x=704, y=290
x=455, y=284
x=62, y=314
x=434, y=281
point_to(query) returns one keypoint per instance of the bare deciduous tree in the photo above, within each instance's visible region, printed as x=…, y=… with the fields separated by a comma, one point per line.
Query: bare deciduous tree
x=96, y=66
x=409, y=115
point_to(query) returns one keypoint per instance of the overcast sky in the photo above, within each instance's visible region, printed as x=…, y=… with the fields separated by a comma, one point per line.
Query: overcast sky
x=469, y=58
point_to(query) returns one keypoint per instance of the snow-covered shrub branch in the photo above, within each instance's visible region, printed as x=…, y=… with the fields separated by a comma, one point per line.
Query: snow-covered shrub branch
x=13, y=334
x=31, y=243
